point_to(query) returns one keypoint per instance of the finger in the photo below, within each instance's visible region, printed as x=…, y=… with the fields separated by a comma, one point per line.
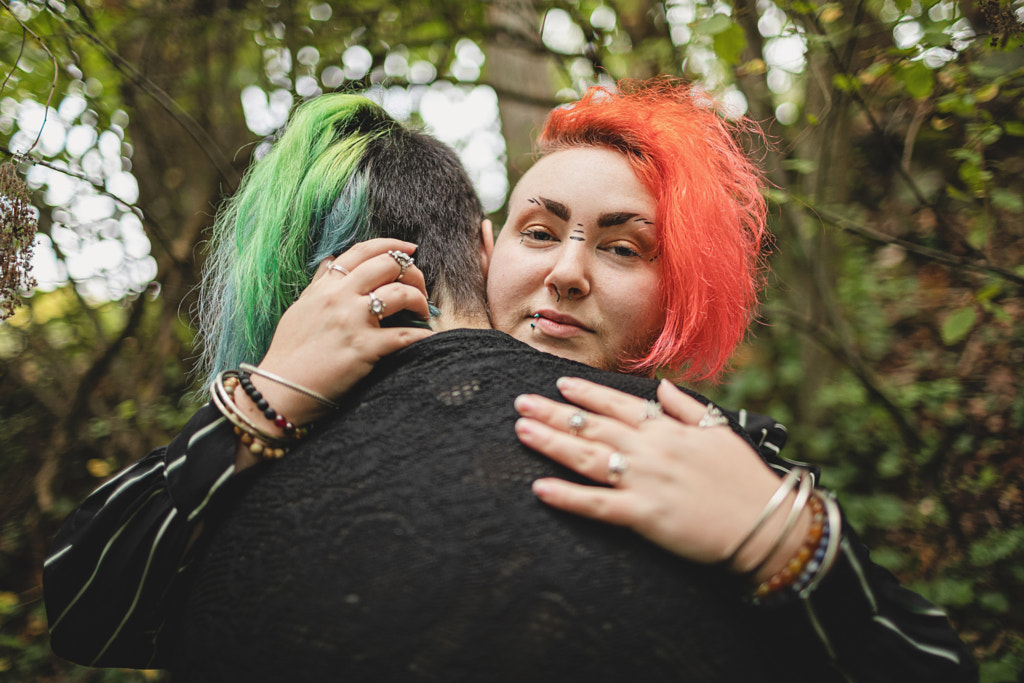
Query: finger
x=393, y=339
x=603, y=400
x=560, y=416
x=362, y=252
x=382, y=269
x=398, y=296
x=679, y=404
x=588, y=458
x=323, y=269
x=595, y=502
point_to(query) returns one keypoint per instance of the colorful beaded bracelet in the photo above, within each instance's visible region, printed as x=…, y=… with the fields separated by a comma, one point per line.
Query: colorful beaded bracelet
x=801, y=560
x=259, y=442
x=803, y=576
x=279, y=420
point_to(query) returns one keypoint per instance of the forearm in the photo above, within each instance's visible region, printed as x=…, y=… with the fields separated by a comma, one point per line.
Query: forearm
x=876, y=630
x=115, y=557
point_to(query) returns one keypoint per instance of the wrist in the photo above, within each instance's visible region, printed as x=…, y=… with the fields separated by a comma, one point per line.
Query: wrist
x=812, y=561
x=788, y=548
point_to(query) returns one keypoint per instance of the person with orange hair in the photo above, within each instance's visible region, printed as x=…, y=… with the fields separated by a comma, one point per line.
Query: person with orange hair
x=702, y=227
x=396, y=541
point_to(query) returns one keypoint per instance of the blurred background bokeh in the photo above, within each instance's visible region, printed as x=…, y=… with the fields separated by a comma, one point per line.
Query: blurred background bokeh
x=891, y=339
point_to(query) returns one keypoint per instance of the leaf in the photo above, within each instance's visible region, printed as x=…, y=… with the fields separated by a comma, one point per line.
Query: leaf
x=730, y=44
x=845, y=82
x=1015, y=128
x=987, y=93
x=830, y=12
x=990, y=135
x=997, y=545
x=977, y=235
x=1006, y=200
x=988, y=292
x=802, y=166
x=949, y=591
x=713, y=25
x=957, y=325
x=918, y=79
x=996, y=602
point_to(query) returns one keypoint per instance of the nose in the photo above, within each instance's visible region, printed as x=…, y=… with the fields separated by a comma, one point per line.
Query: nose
x=570, y=273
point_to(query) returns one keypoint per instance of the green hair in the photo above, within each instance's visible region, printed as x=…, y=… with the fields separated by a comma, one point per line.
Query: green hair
x=305, y=200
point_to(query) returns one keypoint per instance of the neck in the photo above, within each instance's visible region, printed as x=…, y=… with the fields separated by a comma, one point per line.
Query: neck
x=457, y=320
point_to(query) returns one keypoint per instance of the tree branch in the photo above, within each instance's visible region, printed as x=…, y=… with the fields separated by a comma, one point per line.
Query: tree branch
x=857, y=366
x=202, y=138
x=927, y=252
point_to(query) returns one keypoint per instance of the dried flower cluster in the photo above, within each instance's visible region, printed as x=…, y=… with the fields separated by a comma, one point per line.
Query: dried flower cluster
x=1002, y=20
x=18, y=223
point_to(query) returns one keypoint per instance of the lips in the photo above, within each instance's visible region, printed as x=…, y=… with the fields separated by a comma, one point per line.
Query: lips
x=559, y=325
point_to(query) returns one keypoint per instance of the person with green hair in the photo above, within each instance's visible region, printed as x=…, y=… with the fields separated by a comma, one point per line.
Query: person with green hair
x=398, y=539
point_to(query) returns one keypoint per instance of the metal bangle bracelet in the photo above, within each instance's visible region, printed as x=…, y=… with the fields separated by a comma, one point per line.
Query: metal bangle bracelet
x=222, y=399
x=802, y=496
x=319, y=398
x=790, y=480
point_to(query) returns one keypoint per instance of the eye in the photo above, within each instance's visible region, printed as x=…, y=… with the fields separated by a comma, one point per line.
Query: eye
x=623, y=250
x=536, y=235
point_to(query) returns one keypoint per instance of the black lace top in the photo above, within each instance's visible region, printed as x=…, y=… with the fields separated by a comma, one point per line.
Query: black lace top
x=402, y=541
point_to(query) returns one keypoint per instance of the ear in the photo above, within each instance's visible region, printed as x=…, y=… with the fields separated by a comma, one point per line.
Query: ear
x=486, y=245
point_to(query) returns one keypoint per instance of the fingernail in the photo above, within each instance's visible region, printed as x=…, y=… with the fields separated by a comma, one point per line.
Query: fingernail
x=524, y=403
x=564, y=383
x=524, y=427
x=541, y=488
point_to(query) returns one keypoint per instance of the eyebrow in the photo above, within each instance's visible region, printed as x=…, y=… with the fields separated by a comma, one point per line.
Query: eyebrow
x=557, y=208
x=607, y=220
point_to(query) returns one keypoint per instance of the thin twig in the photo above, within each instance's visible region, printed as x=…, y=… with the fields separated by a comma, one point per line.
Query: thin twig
x=933, y=254
x=202, y=138
x=858, y=367
x=56, y=70
x=156, y=228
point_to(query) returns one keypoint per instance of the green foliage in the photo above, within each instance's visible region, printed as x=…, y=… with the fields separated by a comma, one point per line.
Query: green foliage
x=958, y=325
x=890, y=337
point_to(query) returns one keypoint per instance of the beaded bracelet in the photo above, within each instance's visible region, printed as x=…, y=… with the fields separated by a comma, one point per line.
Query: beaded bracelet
x=259, y=442
x=279, y=420
x=833, y=520
x=294, y=386
x=812, y=562
x=796, y=566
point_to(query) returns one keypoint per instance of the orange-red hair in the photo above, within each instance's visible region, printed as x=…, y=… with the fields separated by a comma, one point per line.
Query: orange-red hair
x=711, y=212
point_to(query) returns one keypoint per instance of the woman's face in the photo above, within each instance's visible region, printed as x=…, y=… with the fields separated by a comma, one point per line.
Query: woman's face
x=575, y=270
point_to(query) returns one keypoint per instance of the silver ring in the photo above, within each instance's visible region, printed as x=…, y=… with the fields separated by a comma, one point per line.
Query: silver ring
x=712, y=417
x=576, y=422
x=617, y=466
x=403, y=260
x=341, y=269
x=652, y=409
x=377, y=306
